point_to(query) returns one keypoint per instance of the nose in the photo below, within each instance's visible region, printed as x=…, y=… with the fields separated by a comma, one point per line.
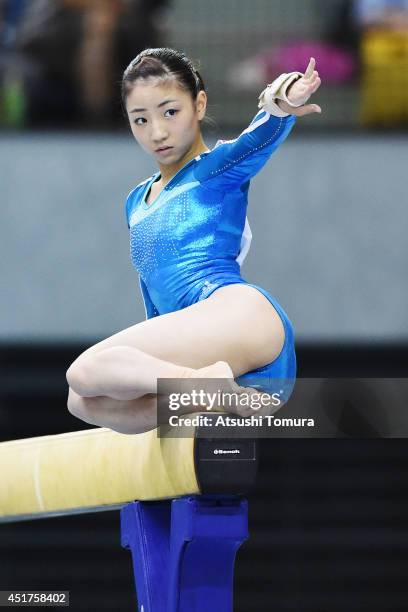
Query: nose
x=159, y=133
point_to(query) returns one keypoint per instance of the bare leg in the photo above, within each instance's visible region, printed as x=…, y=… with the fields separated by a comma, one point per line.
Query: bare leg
x=180, y=344
x=124, y=416
x=128, y=417
x=126, y=373
x=246, y=337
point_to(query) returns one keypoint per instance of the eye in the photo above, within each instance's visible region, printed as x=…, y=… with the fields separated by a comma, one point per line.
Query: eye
x=173, y=110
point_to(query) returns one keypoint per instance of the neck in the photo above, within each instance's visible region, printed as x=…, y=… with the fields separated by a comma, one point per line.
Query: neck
x=168, y=171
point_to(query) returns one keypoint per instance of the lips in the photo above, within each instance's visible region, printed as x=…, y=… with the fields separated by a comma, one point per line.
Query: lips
x=162, y=149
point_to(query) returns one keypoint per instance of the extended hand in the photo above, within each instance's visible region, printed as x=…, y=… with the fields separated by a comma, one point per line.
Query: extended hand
x=301, y=90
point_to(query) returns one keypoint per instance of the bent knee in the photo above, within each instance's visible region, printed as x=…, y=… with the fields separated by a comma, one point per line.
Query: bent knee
x=80, y=373
x=75, y=403
x=75, y=376
x=80, y=364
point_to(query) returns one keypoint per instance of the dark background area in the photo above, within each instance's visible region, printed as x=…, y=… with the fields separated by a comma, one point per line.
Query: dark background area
x=328, y=526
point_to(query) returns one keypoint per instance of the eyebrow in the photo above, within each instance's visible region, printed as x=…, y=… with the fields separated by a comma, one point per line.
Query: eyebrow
x=140, y=110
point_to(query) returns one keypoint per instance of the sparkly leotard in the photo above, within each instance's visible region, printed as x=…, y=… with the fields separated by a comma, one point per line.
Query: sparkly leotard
x=195, y=235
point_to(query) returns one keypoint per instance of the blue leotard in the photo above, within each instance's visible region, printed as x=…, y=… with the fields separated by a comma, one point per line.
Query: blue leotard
x=195, y=235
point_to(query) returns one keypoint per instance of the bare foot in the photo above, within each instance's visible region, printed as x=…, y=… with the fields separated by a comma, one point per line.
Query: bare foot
x=216, y=388
x=219, y=369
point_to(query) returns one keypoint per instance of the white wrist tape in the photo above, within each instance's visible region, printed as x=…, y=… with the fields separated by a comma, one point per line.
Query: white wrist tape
x=277, y=91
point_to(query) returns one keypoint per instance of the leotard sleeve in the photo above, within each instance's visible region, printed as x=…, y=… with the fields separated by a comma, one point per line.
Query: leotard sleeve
x=237, y=161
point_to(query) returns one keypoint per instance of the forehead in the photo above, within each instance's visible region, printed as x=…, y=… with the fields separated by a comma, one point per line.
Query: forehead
x=148, y=93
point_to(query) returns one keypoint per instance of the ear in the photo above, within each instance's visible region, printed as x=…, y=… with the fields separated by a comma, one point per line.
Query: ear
x=201, y=104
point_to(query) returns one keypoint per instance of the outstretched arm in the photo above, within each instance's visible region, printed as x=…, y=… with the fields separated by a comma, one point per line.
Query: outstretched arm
x=236, y=161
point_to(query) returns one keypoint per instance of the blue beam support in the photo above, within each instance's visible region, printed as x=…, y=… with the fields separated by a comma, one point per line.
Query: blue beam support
x=184, y=550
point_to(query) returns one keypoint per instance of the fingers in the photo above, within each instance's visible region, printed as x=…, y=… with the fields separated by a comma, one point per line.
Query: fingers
x=311, y=86
x=306, y=110
x=316, y=84
x=311, y=78
x=310, y=68
x=311, y=74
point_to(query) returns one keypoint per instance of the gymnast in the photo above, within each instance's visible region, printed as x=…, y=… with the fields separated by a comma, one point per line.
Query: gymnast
x=189, y=235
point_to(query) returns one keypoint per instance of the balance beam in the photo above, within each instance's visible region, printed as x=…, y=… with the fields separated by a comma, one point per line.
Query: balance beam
x=100, y=469
x=189, y=518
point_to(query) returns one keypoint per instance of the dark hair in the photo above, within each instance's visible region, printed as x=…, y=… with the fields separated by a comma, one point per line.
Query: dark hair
x=164, y=63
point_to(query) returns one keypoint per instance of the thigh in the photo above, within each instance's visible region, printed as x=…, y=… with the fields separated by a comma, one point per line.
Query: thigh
x=236, y=324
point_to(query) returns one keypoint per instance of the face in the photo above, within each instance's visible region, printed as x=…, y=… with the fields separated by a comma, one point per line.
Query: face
x=161, y=114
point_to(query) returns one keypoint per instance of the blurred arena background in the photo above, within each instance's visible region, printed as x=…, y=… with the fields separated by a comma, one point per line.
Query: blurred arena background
x=328, y=215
